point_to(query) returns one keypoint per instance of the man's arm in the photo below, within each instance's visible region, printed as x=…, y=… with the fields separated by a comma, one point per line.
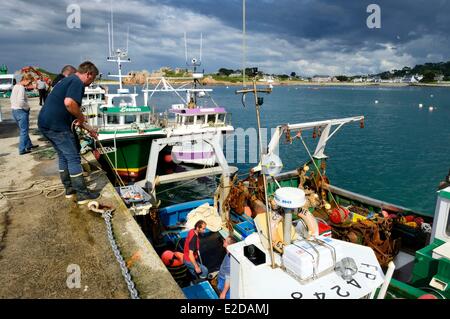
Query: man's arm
x=74, y=109
x=194, y=262
x=226, y=287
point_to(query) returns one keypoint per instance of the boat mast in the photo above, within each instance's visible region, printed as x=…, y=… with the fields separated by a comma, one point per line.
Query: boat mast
x=243, y=44
x=117, y=55
x=258, y=103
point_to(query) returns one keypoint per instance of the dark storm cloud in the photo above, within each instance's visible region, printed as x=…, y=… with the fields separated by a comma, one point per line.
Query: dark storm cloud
x=305, y=36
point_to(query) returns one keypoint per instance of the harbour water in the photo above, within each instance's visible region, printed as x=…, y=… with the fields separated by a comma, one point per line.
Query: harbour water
x=400, y=156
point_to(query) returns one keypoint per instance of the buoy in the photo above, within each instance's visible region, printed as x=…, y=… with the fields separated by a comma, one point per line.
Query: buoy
x=248, y=211
x=376, y=101
x=420, y=105
x=428, y=296
x=339, y=215
x=431, y=95
x=430, y=108
x=168, y=158
x=172, y=259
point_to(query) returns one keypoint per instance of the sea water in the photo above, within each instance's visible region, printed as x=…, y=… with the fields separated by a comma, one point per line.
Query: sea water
x=399, y=157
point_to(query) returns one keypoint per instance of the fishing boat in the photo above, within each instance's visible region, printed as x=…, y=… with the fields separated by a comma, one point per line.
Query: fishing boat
x=196, y=113
x=93, y=98
x=125, y=129
x=369, y=248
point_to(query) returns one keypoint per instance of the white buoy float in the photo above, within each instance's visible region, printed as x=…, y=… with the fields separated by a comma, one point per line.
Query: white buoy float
x=376, y=101
x=420, y=105
x=431, y=108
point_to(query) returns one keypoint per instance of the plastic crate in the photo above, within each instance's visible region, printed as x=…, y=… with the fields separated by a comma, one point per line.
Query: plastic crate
x=203, y=290
x=425, y=266
x=245, y=228
x=176, y=214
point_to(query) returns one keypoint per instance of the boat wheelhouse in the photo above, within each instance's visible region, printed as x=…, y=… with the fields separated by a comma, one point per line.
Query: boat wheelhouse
x=125, y=129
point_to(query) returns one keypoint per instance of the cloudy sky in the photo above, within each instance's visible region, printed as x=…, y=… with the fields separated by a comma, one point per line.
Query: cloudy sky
x=304, y=36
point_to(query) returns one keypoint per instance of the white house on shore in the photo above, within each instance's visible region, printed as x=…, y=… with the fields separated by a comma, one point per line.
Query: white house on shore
x=323, y=79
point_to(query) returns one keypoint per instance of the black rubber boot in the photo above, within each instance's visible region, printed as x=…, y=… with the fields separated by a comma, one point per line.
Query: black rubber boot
x=83, y=194
x=65, y=179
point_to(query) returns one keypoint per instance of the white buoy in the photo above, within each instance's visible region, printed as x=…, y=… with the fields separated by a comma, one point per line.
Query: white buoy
x=376, y=101
x=431, y=108
x=420, y=105
x=431, y=95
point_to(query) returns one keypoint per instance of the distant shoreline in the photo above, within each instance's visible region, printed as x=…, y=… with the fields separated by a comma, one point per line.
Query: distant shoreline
x=299, y=83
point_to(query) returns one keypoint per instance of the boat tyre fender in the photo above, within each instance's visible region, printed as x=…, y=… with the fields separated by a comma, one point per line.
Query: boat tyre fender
x=310, y=222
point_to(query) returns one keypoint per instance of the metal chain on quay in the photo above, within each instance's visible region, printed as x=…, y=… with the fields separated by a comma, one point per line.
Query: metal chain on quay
x=106, y=213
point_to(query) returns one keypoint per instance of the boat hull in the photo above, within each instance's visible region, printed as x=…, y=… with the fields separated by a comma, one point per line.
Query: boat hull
x=129, y=153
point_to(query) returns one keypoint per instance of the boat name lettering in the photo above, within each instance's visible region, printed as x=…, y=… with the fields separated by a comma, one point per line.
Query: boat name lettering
x=368, y=266
x=353, y=282
x=319, y=295
x=130, y=109
x=369, y=275
x=338, y=291
x=297, y=295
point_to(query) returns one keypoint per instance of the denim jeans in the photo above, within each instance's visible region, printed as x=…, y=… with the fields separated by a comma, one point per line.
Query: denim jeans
x=191, y=268
x=22, y=119
x=67, y=147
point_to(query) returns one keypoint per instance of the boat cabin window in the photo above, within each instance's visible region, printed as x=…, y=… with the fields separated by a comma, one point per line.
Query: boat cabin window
x=113, y=119
x=6, y=81
x=122, y=101
x=201, y=119
x=145, y=118
x=221, y=119
x=188, y=120
x=130, y=119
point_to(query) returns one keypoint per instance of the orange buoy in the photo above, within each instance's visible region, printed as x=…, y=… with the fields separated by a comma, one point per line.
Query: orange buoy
x=339, y=215
x=428, y=296
x=168, y=158
x=172, y=259
x=248, y=211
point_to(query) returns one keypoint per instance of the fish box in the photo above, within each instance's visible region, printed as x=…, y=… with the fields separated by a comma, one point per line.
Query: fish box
x=245, y=228
x=203, y=290
x=175, y=215
x=299, y=257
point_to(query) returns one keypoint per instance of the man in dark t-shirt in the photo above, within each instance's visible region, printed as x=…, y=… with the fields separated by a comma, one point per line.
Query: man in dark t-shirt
x=56, y=121
x=66, y=71
x=192, y=251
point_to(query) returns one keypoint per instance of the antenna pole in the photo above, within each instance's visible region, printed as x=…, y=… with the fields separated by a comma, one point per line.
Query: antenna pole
x=185, y=49
x=128, y=35
x=243, y=43
x=201, y=46
x=112, y=28
x=109, y=39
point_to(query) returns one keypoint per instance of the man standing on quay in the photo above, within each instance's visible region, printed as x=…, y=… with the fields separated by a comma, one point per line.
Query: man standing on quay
x=60, y=111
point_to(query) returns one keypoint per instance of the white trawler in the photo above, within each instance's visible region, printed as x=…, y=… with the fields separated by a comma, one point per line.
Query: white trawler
x=196, y=113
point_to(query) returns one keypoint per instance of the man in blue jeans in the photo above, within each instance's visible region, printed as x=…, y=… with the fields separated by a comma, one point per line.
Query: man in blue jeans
x=56, y=121
x=223, y=280
x=21, y=113
x=191, y=251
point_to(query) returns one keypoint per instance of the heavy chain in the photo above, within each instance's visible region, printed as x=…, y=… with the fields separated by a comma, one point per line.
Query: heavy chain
x=123, y=267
